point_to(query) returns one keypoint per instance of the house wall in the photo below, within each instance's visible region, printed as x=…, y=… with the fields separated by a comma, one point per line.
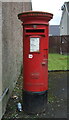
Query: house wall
x=0, y=59
x=68, y=24
x=11, y=48
x=63, y=24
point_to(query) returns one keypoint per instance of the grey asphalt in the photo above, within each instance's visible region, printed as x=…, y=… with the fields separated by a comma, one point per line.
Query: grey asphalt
x=57, y=102
x=57, y=98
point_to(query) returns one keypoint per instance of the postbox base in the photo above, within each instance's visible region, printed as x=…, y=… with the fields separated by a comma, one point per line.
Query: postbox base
x=34, y=102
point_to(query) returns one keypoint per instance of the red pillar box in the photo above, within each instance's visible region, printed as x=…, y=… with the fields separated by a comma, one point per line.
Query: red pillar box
x=35, y=60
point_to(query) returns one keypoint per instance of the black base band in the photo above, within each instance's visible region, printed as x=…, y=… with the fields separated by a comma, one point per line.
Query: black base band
x=34, y=102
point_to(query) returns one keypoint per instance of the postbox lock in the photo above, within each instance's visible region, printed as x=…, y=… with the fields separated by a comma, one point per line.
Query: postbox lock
x=43, y=63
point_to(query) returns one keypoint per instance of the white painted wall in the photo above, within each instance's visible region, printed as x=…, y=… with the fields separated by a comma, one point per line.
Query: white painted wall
x=63, y=24
x=68, y=24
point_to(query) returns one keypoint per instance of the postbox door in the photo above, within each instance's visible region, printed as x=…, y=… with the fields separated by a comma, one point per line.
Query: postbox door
x=35, y=59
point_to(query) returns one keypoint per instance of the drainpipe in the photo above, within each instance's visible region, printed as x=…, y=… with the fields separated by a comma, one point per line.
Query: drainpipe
x=66, y=9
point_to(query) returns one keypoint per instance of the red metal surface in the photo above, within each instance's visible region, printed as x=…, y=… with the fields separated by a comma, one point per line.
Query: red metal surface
x=35, y=69
x=35, y=17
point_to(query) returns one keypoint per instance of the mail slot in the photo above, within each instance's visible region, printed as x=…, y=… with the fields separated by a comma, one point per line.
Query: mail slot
x=35, y=60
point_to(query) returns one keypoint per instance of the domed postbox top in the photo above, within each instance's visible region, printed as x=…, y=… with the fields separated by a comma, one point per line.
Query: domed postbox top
x=37, y=17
